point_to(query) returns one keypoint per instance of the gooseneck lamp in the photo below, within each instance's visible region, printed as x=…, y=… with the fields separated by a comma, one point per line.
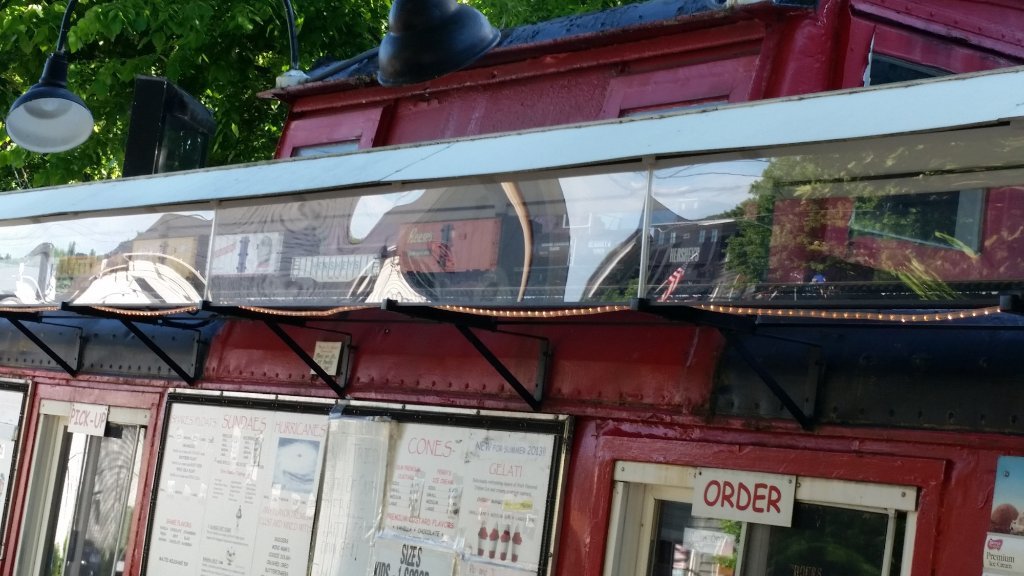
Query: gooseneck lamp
x=49, y=117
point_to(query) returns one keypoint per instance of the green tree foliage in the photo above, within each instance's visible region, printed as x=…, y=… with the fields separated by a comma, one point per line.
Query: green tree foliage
x=223, y=52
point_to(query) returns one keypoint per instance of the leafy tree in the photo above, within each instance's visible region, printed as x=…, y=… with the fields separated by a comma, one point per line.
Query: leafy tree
x=222, y=51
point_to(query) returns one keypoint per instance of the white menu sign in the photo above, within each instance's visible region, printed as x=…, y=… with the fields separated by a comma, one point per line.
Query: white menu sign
x=481, y=492
x=237, y=492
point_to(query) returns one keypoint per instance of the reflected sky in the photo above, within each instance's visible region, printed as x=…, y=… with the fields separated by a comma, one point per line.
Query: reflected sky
x=703, y=191
x=99, y=235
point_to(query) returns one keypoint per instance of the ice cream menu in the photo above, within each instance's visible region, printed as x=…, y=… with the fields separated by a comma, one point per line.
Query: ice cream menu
x=237, y=492
x=11, y=402
x=480, y=492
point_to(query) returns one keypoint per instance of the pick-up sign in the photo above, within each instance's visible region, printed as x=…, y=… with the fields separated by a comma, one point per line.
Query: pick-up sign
x=88, y=419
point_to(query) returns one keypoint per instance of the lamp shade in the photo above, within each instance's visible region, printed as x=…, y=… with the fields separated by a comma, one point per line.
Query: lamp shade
x=430, y=38
x=49, y=117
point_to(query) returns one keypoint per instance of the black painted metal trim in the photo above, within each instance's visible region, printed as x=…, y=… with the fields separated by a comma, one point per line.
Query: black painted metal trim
x=16, y=320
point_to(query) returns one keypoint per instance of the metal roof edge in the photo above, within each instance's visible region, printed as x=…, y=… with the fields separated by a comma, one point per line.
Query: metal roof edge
x=937, y=104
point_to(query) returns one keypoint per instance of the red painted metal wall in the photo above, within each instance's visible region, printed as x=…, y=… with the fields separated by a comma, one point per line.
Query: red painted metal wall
x=639, y=388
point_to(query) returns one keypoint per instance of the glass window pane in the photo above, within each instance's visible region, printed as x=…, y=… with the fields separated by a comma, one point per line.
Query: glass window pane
x=87, y=530
x=149, y=259
x=527, y=242
x=828, y=540
x=688, y=546
x=892, y=222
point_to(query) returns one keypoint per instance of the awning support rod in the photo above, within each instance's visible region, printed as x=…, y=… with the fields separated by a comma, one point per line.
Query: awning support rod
x=189, y=379
x=464, y=323
x=45, y=348
x=773, y=385
x=731, y=325
x=533, y=399
x=276, y=324
x=131, y=319
x=279, y=331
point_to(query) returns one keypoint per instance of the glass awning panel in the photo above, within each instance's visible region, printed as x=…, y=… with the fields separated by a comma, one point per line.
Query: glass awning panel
x=910, y=211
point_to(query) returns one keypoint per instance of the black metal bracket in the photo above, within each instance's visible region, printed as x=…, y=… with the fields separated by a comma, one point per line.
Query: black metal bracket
x=337, y=387
x=731, y=326
x=18, y=319
x=189, y=379
x=276, y=325
x=464, y=323
x=131, y=323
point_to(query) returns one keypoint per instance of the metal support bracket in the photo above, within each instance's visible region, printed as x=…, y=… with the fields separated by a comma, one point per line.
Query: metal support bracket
x=132, y=324
x=731, y=326
x=189, y=379
x=806, y=422
x=71, y=365
x=464, y=323
x=276, y=325
x=337, y=387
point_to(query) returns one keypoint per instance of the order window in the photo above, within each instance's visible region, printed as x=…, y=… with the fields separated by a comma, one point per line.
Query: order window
x=81, y=495
x=834, y=526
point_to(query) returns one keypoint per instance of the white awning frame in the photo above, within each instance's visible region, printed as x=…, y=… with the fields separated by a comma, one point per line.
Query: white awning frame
x=948, y=103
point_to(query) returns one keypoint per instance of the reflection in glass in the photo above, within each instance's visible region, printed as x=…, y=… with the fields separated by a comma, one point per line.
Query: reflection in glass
x=829, y=540
x=900, y=220
x=92, y=503
x=150, y=259
x=685, y=545
x=534, y=242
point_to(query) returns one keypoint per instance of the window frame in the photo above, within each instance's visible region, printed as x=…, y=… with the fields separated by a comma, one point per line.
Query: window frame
x=44, y=468
x=639, y=485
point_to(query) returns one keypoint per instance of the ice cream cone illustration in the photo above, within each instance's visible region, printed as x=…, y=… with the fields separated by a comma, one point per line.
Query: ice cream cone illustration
x=481, y=537
x=494, y=541
x=517, y=539
x=506, y=537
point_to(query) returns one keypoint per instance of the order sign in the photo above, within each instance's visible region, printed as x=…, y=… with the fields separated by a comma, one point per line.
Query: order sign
x=744, y=496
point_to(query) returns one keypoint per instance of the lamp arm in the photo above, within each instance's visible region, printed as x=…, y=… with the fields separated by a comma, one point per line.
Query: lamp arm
x=62, y=38
x=293, y=35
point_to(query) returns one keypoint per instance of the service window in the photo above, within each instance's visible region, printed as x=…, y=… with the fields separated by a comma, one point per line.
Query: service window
x=685, y=521
x=83, y=485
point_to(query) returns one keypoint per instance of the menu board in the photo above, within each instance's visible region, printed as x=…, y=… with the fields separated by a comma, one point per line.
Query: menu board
x=237, y=492
x=11, y=407
x=480, y=492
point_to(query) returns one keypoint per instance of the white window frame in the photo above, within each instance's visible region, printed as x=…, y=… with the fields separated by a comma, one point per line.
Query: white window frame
x=639, y=485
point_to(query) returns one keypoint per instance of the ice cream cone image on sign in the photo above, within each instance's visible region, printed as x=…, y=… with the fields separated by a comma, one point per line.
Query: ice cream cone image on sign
x=517, y=539
x=494, y=541
x=481, y=537
x=506, y=537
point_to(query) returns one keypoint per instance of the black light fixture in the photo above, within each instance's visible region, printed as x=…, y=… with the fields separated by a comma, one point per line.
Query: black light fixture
x=49, y=117
x=430, y=38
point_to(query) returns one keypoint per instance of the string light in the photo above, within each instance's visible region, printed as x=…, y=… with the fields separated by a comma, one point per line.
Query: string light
x=147, y=313
x=852, y=314
x=27, y=309
x=302, y=313
x=559, y=313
